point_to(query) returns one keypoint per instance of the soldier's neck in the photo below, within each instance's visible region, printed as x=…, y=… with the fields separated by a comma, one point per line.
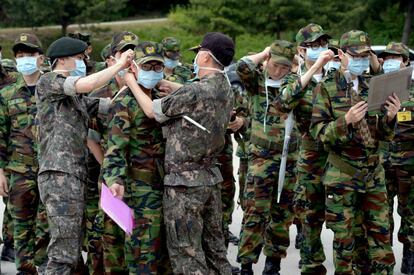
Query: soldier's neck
x=32, y=79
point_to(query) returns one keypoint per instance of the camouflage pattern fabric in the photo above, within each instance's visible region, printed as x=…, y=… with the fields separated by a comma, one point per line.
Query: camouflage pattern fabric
x=134, y=159
x=180, y=74
x=190, y=165
x=265, y=221
x=349, y=193
x=19, y=159
x=309, y=191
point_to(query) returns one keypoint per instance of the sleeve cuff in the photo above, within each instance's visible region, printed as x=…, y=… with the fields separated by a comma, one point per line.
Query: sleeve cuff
x=157, y=109
x=69, y=85
x=249, y=62
x=104, y=104
x=94, y=135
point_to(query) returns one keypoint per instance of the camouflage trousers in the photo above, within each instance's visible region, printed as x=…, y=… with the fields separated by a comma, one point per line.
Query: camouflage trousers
x=64, y=198
x=400, y=183
x=193, y=221
x=31, y=235
x=266, y=222
x=7, y=230
x=346, y=210
x=310, y=209
x=228, y=191
x=243, y=168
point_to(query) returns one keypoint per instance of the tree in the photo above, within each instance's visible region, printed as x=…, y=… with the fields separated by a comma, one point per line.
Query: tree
x=62, y=12
x=408, y=7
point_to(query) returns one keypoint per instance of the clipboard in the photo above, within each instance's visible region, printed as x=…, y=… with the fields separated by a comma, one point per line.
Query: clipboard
x=382, y=86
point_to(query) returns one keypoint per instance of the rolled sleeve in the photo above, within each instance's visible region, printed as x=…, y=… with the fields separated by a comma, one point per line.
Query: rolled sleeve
x=69, y=85
x=157, y=109
x=94, y=135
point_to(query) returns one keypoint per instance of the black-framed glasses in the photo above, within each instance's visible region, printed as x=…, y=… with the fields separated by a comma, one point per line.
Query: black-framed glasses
x=152, y=67
x=316, y=44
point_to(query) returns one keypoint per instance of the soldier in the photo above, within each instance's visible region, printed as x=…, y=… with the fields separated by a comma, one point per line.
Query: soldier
x=86, y=37
x=134, y=161
x=399, y=162
x=174, y=71
x=63, y=115
x=197, y=116
x=354, y=177
x=309, y=191
x=17, y=123
x=265, y=221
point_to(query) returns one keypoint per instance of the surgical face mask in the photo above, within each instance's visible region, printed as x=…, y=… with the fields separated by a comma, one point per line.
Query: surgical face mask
x=149, y=79
x=196, y=68
x=312, y=54
x=332, y=65
x=121, y=73
x=391, y=65
x=170, y=63
x=26, y=65
x=80, y=69
x=358, y=66
x=273, y=83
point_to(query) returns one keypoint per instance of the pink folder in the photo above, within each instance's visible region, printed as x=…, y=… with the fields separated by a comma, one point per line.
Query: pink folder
x=117, y=210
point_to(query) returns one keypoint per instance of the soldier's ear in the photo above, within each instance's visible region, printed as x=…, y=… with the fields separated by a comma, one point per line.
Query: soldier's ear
x=341, y=54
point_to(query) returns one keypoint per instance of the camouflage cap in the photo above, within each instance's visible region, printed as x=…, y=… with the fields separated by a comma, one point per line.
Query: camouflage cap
x=396, y=48
x=356, y=42
x=122, y=40
x=171, y=45
x=27, y=41
x=310, y=33
x=106, y=52
x=148, y=51
x=282, y=52
x=85, y=37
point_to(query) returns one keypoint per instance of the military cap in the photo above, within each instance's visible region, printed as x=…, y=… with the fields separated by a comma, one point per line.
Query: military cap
x=27, y=41
x=355, y=41
x=310, y=33
x=396, y=48
x=66, y=46
x=85, y=37
x=282, y=52
x=122, y=40
x=148, y=51
x=220, y=45
x=106, y=52
x=172, y=45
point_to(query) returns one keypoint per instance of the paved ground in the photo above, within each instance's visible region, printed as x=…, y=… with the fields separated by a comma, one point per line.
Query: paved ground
x=289, y=265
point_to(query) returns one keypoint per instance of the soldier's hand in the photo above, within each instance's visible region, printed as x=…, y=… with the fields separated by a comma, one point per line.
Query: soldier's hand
x=236, y=124
x=324, y=57
x=126, y=58
x=129, y=77
x=4, y=189
x=117, y=190
x=392, y=105
x=266, y=53
x=356, y=112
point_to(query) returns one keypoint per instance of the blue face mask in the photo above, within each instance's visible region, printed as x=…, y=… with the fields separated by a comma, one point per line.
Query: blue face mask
x=312, y=54
x=358, y=66
x=196, y=68
x=391, y=65
x=80, y=68
x=149, y=79
x=26, y=65
x=121, y=73
x=171, y=63
x=332, y=65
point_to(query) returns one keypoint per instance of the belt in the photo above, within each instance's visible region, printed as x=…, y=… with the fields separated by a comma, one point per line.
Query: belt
x=397, y=146
x=20, y=158
x=361, y=174
x=312, y=145
x=203, y=164
x=274, y=146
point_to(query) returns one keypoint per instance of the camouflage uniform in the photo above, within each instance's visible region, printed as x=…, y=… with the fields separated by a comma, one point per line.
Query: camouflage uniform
x=63, y=127
x=17, y=112
x=309, y=190
x=266, y=222
x=192, y=199
x=354, y=178
x=181, y=74
x=398, y=161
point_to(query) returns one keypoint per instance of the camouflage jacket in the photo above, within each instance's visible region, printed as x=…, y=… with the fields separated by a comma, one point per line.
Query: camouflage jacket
x=63, y=124
x=17, y=125
x=135, y=145
x=191, y=152
x=181, y=74
x=254, y=81
x=332, y=102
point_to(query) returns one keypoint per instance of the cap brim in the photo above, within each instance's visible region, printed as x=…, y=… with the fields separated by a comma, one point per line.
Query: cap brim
x=120, y=48
x=318, y=36
x=281, y=60
x=145, y=59
x=29, y=45
x=388, y=52
x=195, y=48
x=359, y=49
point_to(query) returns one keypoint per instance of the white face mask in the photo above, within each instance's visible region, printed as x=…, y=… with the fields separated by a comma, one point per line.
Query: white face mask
x=318, y=77
x=273, y=83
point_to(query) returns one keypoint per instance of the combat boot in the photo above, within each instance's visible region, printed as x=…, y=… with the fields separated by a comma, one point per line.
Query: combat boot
x=272, y=266
x=246, y=269
x=7, y=253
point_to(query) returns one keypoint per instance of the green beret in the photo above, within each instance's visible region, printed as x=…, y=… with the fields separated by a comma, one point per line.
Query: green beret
x=66, y=46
